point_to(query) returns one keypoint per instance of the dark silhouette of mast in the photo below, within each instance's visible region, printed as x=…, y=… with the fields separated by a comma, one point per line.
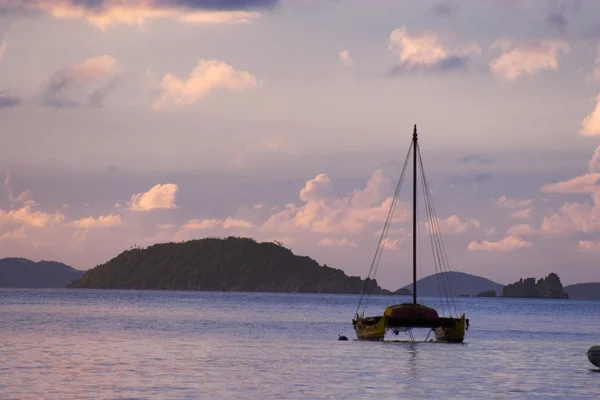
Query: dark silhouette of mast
x=415, y=215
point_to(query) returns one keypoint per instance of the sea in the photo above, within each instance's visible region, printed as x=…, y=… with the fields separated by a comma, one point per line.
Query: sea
x=113, y=344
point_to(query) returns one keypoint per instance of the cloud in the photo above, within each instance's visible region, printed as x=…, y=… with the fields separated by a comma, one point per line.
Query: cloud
x=429, y=51
x=521, y=230
x=22, y=197
x=66, y=84
x=161, y=196
x=480, y=159
x=323, y=212
x=15, y=234
x=591, y=124
x=331, y=242
x=345, y=58
x=594, y=77
x=26, y=215
x=591, y=245
x=206, y=77
x=445, y=8
x=471, y=179
x=3, y=47
x=455, y=224
x=526, y=58
x=103, y=221
x=106, y=13
x=506, y=202
x=507, y=244
x=524, y=214
x=556, y=18
x=228, y=223
x=8, y=100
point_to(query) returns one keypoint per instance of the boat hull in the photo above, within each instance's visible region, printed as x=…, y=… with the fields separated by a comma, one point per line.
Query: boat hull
x=370, y=328
x=451, y=330
x=407, y=316
x=594, y=355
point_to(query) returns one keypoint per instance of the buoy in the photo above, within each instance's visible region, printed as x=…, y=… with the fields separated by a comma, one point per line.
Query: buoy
x=341, y=337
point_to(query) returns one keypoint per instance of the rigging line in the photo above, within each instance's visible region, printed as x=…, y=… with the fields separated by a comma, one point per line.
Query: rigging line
x=431, y=228
x=385, y=228
x=387, y=225
x=435, y=228
x=440, y=239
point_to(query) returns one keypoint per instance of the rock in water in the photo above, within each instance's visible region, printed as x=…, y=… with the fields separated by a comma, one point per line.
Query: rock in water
x=342, y=337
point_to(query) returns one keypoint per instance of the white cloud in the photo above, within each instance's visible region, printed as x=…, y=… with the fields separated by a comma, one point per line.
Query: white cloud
x=526, y=58
x=332, y=242
x=520, y=230
x=62, y=87
x=345, y=58
x=21, y=198
x=135, y=12
x=323, y=212
x=506, y=202
x=206, y=77
x=161, y=196
x=103, y=221
x=507, y=244
x=592, y=245
x=455, y=224
x=591, y=124
x=228, y=223
x=430, y=50
x=26, y=215
x=523, y=214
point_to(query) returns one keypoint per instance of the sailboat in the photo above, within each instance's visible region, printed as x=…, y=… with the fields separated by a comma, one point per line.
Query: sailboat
x=409, y=315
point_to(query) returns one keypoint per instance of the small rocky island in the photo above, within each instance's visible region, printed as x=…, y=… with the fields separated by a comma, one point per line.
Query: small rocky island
x=486, y=293
x=545, y=288
x=214, y=264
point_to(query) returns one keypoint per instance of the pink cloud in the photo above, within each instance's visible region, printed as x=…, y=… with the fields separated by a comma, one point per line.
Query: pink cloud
x=332, y=242
x=591, y=124
x=134, y=12
x=323, y=212
x=206, y=77
x=526, y=57
x=507, y=244
x=103, y=221
x=161, y=196
x=523, y=214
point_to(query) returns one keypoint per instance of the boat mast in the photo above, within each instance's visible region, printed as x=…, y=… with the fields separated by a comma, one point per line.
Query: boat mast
x=415, y=215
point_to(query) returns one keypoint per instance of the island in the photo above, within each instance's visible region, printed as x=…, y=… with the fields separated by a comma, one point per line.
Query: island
x=584, y=291
x=222, y=264
x=461, y=284
x=23, y=273
x=545, y=288
x=487, y=293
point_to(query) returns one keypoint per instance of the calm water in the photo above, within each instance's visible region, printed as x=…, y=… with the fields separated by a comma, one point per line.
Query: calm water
x=77, y=344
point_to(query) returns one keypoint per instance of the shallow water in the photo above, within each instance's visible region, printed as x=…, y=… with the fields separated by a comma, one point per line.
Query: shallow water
x=79, y=344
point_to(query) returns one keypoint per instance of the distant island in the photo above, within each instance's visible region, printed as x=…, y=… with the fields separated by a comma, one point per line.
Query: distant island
x=487, y=293
x=460, y=283
x=24, y=273
x=214, y=264
x=584, y=291
x=545, y=288
x=243, y=264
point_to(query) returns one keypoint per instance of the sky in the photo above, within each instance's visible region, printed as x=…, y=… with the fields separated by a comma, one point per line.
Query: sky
x=132, y=122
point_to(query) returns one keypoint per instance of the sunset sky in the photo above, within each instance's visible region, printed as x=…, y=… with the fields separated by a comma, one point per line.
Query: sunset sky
x=133, y=122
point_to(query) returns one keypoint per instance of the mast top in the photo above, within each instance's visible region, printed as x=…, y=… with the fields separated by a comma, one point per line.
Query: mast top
x=415, y=133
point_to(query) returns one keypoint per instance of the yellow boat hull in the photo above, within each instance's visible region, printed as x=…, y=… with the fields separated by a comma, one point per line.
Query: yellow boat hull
x=452, y=334
x=370, y=328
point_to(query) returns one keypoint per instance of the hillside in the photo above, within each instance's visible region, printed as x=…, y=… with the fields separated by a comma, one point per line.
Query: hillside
x=212, y=264
x=460, y=283
x=584, y=291
x=23, y=273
